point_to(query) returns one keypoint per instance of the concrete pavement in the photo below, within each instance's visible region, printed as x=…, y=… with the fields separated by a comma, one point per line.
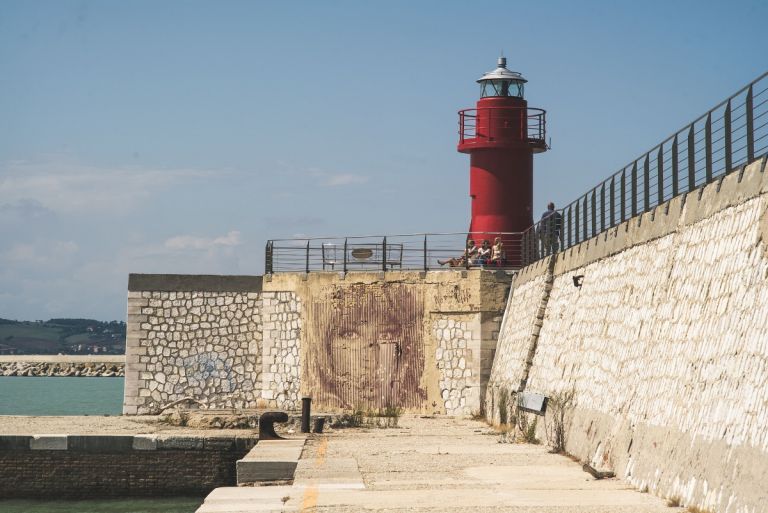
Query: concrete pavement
x=433, y=465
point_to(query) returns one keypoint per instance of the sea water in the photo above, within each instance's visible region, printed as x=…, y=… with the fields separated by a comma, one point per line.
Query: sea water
x=60, y=396
x=76, y=396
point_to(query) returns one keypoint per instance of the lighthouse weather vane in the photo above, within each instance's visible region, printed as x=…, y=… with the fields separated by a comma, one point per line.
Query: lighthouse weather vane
x=501, y=134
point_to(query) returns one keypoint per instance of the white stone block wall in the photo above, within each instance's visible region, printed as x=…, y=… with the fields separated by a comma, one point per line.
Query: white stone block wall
x=517, y=328
x=664, y=346
x=215, y=349
x=458, y=361
x=199, y=345
x=281, y=365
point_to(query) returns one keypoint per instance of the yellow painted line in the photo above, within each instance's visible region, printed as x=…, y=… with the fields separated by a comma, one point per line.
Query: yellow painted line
x=310, y=498
x=311, y=493
x=321, y=451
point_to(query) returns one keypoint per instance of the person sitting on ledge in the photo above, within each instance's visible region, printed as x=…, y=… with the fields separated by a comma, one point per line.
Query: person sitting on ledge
x=497, y=252
x=483, y=254
x=469, y=253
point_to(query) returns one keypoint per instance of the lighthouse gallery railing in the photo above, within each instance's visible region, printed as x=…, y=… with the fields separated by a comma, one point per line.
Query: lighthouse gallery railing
x=529, y=121
x=732, y=134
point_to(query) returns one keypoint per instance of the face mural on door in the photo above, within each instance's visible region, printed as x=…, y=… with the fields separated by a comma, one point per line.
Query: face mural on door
x=366, y=348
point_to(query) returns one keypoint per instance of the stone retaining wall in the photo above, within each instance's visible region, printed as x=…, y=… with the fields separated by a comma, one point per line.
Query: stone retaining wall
x=663, y=348
x=80, y=467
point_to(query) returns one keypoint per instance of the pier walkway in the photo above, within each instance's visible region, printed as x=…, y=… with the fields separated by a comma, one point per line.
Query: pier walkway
x=433, y=465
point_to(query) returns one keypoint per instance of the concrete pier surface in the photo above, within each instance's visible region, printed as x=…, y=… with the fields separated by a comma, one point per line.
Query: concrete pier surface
x=436, y=464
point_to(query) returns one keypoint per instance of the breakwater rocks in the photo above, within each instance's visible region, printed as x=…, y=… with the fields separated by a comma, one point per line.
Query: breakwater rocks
x=63, y=369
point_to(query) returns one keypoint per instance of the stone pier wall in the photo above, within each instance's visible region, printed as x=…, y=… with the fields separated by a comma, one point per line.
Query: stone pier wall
x=662, y=350
x=422, y=342
x=199, y=340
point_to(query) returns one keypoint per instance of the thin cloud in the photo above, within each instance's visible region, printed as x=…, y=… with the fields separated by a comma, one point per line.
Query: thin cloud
x=187, y=242
x=75, y=188
x=344, y=179
x=40, y=252
x=327, y=179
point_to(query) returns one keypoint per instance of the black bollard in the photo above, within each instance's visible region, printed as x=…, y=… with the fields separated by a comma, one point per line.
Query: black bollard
x=319, y=423
x=306, y=405
x=267, y=424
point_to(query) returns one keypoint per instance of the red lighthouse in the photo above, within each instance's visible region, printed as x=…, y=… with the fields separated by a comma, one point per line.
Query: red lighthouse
x=501, y=135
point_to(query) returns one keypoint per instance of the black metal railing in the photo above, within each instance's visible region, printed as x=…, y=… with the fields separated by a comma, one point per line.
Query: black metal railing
x=420, y=251
x=732, y=134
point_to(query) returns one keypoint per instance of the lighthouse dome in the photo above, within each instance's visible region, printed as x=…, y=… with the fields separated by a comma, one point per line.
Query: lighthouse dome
x=502, y=82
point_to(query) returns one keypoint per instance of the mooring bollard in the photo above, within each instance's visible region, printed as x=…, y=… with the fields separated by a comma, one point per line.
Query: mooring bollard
x=306, y=405
x=267, y=424
x=319, y=423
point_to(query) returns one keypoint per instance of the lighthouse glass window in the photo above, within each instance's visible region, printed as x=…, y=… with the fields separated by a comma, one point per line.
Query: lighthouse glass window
x=501, y=88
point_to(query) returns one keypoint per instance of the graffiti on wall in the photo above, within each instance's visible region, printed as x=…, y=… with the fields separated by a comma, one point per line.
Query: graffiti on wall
x=368, y=348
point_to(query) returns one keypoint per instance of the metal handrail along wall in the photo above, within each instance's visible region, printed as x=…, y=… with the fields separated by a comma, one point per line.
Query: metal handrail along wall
x=730, y=135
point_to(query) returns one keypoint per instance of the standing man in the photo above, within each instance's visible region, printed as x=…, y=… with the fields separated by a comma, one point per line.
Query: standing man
x=549, y=230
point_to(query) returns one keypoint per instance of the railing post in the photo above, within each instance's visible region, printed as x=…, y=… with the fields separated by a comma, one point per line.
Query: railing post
x=576, y=237
x=728, y=137
x=623, y=194
x=634, y=189
x=306, y=265
x=584, y=220
x=691, y=161
x=570, y=223
x=660, y=175
x=675, y=170
x=708, y=146
x=594, y=212
x=613, y=200
x=466, y=254
x=750, y=125
x=268, y=258
x=384, y=255
x=602, y=207
x=426, y=267
x=345, y=256
x=647, y=183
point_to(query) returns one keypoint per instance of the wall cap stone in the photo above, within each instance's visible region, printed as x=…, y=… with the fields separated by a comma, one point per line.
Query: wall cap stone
x=194, y=283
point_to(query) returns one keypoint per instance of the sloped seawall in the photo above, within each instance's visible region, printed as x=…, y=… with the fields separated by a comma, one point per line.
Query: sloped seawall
x=661, y=355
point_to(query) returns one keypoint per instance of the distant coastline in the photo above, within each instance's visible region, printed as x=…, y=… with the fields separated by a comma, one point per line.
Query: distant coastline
x=62, y=336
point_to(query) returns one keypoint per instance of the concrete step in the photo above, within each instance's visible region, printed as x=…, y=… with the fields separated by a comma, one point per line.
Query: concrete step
x=270, y=460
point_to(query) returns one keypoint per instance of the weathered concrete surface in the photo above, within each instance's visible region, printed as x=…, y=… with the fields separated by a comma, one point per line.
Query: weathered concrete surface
x=99, y=425
x=433, y=465
x=270, y=460
x=663, y=346
x=421, y=341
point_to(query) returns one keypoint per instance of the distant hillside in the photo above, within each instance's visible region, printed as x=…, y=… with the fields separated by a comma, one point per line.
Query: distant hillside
x=65, y=336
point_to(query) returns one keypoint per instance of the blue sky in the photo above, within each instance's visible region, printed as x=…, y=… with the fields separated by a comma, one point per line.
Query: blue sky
x=178, y=136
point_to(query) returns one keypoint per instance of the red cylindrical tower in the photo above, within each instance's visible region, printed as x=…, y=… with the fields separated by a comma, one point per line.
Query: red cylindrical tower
x=501, y=135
